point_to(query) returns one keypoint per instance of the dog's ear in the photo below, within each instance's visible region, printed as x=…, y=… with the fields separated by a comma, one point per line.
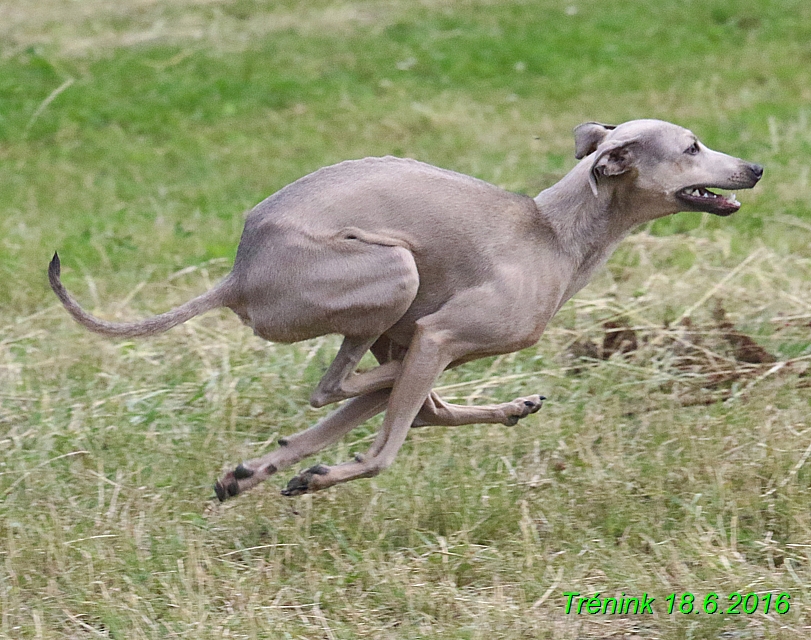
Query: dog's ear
x=588, y=136
x=614, y=159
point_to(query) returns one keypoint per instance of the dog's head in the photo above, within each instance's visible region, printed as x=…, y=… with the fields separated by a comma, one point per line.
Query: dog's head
x=664, y=166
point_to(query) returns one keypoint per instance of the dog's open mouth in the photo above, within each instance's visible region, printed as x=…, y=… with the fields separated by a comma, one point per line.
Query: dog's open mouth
x=702, y=199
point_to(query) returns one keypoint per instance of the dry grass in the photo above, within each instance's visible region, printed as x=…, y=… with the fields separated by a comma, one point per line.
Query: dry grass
x=674, y=454
x=641, y=475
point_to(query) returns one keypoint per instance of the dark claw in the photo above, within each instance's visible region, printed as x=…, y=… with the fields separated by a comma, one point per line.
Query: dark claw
x=301, y=483
x=319, y=470
x=220, y=491
x=534, y=406
x=242, y=472
x=225, y=491
x=297, y=486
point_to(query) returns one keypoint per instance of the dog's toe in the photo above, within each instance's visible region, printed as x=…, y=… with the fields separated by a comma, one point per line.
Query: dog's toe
x=219, y=489
x=522, y=407
x=534, y=403
x=295, y=487
x=226, y=488
x=242, y=472
x=300, y=484
x=229, y=485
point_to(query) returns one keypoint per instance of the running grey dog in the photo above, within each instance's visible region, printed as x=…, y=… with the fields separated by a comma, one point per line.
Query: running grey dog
x=427, y=269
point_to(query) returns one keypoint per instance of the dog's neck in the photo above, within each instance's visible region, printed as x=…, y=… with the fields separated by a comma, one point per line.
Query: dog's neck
x=585, y=225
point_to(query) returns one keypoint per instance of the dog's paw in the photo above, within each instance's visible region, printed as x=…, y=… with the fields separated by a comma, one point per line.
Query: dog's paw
x=304, y=482
x=522, y=407
x=235, y=482
x=226, y=488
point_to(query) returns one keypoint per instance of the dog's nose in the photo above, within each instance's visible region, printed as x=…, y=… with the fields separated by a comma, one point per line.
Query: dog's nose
x=757, y=171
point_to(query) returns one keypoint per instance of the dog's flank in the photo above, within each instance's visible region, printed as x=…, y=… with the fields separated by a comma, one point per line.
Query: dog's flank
x=427, y=268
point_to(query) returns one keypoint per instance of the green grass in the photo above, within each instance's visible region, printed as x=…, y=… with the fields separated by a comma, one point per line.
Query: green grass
x=134, y=136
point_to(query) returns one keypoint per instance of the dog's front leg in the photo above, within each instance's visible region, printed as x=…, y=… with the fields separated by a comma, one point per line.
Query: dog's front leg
x=427, y=357
x=438, y=412
x=340, y=380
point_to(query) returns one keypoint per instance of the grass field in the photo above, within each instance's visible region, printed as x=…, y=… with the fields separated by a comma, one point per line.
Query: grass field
x=135, y=134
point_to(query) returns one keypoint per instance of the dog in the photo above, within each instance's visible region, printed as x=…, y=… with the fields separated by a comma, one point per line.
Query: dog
x=427, y=269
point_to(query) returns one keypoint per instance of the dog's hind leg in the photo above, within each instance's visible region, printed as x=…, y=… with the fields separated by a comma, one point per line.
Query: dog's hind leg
x=294, y=448
x=437, y=412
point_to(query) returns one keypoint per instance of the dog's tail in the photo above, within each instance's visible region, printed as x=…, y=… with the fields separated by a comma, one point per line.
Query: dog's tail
x=211, y=299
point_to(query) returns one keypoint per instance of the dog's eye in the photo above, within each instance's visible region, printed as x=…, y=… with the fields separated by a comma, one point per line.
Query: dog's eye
x=693, y=149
